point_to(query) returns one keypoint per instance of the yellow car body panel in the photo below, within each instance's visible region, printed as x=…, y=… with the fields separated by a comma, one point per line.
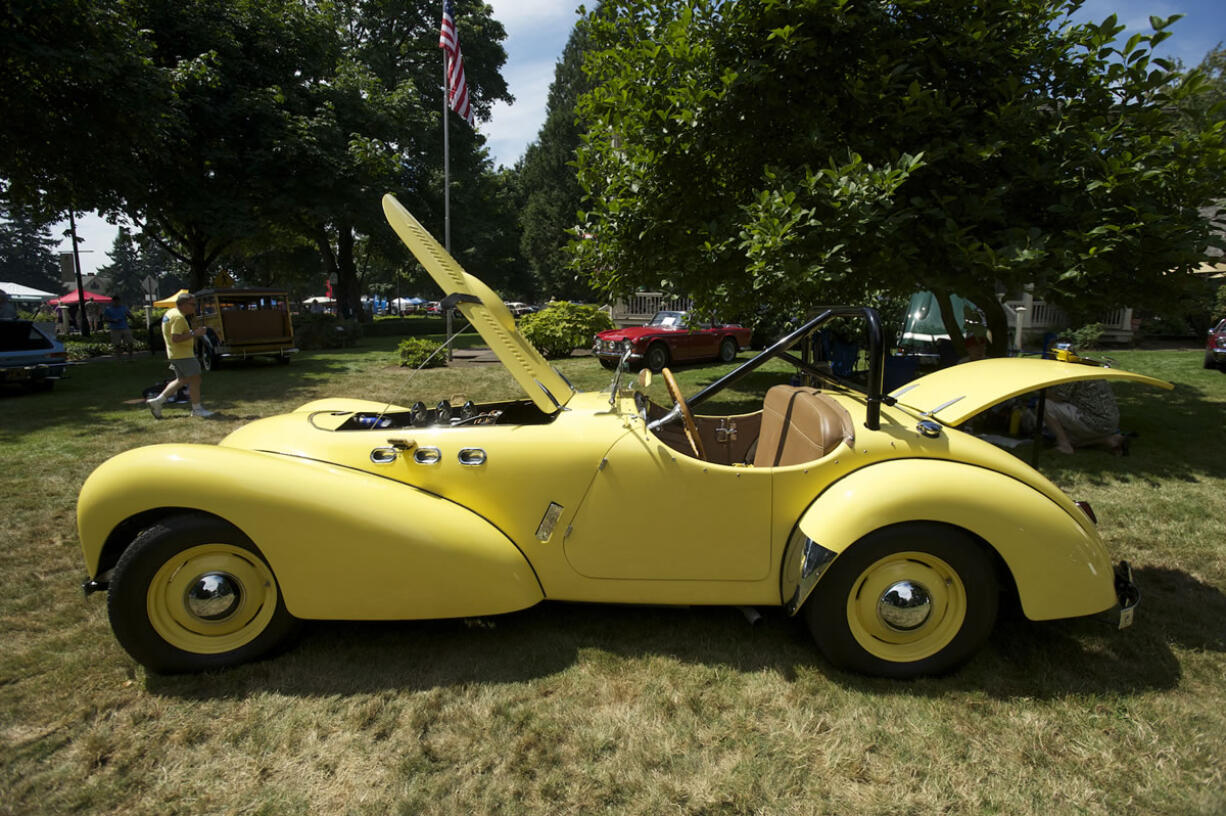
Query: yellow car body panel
x=484, y=309
x=955, y=394
x=341, y=543
x=699, y=521
x=1060, y=566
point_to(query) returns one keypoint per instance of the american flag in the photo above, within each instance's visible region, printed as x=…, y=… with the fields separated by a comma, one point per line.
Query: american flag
x=457, y=86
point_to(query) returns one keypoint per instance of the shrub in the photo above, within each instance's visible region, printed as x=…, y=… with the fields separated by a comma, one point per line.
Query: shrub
x=562, y=327
x=418, y=352
x=1087, y=337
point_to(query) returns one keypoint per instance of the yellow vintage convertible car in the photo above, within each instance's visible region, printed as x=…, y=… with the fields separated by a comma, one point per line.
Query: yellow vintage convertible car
x=893, y=533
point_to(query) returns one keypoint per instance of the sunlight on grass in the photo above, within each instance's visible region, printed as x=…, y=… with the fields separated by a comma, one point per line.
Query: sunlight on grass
x=575, y=708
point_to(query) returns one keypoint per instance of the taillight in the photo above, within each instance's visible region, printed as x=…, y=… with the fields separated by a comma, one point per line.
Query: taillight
x=1088, y=510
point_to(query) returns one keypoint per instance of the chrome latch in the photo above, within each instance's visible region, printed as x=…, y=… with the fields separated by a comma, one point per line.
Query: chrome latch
x=726, y=431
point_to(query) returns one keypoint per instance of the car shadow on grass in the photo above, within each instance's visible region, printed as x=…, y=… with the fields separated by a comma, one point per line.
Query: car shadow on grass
x=1023, y=659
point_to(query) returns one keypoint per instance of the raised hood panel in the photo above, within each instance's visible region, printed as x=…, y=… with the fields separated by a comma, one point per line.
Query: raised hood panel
x=484, y=309
x=954, y=395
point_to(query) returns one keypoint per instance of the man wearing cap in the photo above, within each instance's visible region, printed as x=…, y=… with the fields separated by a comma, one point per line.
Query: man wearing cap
x=180, y=340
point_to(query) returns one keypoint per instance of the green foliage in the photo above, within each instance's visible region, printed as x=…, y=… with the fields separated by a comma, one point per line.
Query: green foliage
x=562, y=327
x=420, y=352
x=321, y=331
x=763, y=155
x=27, y=249
x=1087, y=337
x=549, y=218
x=1219, y=303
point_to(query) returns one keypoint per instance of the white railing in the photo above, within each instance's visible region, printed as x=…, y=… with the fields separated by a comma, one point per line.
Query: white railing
x=1040, y=317
x=642, y=306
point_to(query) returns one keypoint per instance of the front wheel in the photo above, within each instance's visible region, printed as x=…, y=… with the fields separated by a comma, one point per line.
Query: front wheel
x=192, y=593
x=727, y=350
x=915, y=599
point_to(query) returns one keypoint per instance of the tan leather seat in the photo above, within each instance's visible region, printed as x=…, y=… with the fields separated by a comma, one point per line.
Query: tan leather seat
x=800, y=425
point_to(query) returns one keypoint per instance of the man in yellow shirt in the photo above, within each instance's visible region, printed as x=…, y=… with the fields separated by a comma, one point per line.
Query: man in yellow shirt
x=180, y=340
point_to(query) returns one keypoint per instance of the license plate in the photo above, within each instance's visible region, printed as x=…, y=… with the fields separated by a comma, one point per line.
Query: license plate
x=1126, y=616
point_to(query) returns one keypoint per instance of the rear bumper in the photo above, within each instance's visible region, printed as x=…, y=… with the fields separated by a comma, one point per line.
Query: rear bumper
x=1127, y=593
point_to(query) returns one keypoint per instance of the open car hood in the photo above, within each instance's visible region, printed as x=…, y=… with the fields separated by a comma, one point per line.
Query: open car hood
x=484, y=309
x=954, y=395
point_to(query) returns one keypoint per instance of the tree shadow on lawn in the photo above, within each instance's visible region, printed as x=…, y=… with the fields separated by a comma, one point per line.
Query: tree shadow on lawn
x=1022, y=659
x=94, y=392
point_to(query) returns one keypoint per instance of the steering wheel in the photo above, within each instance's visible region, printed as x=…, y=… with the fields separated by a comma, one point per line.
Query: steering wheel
x=687, y=418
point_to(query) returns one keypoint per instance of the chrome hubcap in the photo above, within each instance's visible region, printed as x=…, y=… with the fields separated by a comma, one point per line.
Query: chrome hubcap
x=213, y=596
x=904, y=606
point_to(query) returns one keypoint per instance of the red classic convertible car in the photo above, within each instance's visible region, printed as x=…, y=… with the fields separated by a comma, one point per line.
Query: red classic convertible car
x=1215, y=348
x=669, y=339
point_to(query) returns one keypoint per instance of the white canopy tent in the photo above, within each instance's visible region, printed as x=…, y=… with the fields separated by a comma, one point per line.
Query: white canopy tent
x=24, y=294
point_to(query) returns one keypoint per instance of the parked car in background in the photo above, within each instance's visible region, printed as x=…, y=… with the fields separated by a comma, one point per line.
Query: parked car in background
x=244, y=323
x=30, y=354
x=669, y=338
x=518, y=309
x=1215, y=347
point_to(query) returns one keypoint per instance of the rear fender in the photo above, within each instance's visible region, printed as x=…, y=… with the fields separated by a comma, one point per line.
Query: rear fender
x=342, y=543
x=1058, y=562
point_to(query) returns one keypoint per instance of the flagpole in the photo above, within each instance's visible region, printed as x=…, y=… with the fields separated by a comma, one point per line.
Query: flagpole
x=446, y=185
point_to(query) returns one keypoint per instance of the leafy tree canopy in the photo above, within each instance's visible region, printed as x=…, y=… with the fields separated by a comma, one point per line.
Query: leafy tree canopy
x=783, y=154
x=27, y=250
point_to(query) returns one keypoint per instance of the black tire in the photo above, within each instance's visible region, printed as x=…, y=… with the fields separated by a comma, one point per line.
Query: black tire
x=657, y=357
x=849, y=625
x=206, y=353
x=283, y=359
x=727, y=350
x=155, y=620
x=1209, y=360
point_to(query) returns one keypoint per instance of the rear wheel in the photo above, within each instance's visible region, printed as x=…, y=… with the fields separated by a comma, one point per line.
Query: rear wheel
x=193, y=593
x=727, y=350
x=909, y=600
x=657, y=357
x=207, y=355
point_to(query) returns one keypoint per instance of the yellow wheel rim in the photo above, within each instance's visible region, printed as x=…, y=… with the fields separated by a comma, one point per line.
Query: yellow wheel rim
x=212, y=598
x=906, y=607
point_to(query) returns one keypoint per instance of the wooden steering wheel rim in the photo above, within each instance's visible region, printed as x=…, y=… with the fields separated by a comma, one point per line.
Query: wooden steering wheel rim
x=687, y=418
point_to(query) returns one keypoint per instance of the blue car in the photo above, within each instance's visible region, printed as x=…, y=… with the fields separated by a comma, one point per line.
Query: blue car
x=30, y=355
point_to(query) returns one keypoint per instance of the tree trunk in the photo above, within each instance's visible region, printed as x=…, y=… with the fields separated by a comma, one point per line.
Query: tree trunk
x=348, y=298
x=951, y=322
x=998, y=325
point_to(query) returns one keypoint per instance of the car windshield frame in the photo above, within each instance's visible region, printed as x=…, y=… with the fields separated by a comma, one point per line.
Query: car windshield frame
x=662, y=320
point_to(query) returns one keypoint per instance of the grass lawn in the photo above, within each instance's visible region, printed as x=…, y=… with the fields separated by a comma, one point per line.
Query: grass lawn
x=577, y=709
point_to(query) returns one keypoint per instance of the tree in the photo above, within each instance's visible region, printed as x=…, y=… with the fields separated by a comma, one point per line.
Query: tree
x=785, y=154
x=27, y=250
x=552, y=195
x=373, y=124
x=79, y=88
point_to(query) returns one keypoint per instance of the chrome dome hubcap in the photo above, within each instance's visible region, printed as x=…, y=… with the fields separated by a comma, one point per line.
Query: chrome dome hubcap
x=904, y=606
x=214, y=596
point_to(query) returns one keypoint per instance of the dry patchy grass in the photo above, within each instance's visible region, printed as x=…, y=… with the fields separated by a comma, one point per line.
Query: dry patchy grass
x=572, y=708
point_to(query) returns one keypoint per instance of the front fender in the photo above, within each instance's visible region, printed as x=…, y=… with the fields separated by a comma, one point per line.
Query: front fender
x=343, y=544
x=1058, y=563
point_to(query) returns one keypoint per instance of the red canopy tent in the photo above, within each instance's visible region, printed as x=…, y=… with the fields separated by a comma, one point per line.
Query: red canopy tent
x=74, y=297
